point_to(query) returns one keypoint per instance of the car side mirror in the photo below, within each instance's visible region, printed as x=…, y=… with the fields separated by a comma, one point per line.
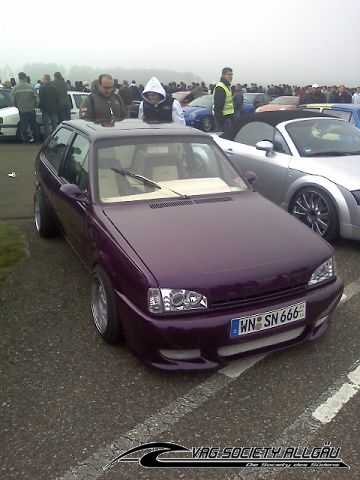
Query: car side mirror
x=265, y=146
x=72, y=191
x=251, y=178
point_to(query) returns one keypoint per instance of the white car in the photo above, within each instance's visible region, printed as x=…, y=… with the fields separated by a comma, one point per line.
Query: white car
x=10, y=119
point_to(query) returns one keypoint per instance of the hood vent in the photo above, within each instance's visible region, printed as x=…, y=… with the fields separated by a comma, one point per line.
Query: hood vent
x=213, y=200
x=180, y=203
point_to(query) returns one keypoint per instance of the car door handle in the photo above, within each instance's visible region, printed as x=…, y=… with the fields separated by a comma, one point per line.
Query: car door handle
x=229, y=150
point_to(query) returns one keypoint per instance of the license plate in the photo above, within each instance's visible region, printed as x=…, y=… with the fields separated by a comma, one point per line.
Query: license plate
x=263, y=321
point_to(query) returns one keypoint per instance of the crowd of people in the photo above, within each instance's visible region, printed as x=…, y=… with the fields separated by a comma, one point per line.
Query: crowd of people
x=110, y=100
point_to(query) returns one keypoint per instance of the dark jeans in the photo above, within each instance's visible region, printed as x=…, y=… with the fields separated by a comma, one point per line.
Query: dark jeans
x=225, y=124
x=49, y=118
x=29, y=119
x=64, y=113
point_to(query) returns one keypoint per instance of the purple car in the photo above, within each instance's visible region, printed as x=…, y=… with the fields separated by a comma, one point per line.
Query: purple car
x=189, y=264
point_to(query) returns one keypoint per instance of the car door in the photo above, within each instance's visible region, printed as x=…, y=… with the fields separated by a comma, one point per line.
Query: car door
x=272, y=169
x=73, y=212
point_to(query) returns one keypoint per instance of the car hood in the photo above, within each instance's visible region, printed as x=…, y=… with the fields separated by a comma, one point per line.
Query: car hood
x=344, y=171
x=233, y=244
x=9, y=112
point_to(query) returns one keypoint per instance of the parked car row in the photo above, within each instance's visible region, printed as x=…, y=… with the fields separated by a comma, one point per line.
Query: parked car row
x=189, y=264
x=10, y=119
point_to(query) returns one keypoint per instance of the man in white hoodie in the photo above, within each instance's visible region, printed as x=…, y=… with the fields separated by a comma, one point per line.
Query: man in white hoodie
x=159, y=106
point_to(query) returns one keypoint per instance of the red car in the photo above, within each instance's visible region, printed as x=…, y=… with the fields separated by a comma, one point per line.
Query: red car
x=188, y=263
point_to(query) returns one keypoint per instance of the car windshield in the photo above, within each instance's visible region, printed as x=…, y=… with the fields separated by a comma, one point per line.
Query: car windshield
x=203, y=101
x=5, y=98
x=285, y=100
x=324, y=137
x=162, y=168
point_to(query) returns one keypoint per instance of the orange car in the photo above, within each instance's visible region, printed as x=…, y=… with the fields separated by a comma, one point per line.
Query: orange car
x=285, y=102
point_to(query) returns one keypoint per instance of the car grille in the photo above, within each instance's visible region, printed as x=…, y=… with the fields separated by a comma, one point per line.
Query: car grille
x=241, y=301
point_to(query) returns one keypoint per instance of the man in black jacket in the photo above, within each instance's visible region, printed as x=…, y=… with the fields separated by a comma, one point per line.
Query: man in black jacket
x=103, y=105
x=48, y=104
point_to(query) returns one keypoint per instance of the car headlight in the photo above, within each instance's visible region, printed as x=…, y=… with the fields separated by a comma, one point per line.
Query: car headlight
x=161, y=300
x=325, y=271
x=356, y=194
x=192, y=115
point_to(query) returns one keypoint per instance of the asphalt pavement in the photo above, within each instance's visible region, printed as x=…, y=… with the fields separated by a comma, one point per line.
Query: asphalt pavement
x=70, y=403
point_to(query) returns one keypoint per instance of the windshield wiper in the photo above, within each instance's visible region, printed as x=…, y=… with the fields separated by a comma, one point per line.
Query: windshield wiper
x=145, y=180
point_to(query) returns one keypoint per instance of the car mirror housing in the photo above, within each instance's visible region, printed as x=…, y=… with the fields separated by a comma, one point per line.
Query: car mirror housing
x=266, y=146
x=72, y=191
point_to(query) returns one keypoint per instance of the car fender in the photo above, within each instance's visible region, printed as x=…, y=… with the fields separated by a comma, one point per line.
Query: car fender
x=329, y=187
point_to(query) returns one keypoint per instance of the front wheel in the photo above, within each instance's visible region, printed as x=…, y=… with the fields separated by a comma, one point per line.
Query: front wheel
x=103, y=307
x=207, y=124
x=315, y=208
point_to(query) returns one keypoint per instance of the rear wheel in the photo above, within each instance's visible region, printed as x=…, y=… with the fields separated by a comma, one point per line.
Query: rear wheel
x=207, y=124
x=103, y=307
x=314, y=207
x=44, y=220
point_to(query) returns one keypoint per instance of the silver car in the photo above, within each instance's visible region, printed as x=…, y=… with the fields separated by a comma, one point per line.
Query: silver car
x=306, y=162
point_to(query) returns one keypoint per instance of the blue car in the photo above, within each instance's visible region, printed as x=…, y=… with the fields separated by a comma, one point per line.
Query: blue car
x=346, y=111
x=198, y=113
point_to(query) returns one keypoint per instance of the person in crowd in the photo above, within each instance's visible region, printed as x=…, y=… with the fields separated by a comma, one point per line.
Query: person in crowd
x=223, y=106
x=343, y=96
x=314, y=95
x=197, y=91
x=159, y=106
x=135, y=92
x=356, y=96
x=24, y=98
x=13, y=82
x=48, y=104
x=103, y=105
x=333, y=94
x=238, y=100
x=126, y=95
x=7, y=84
x=64, y=102
x=1, y=85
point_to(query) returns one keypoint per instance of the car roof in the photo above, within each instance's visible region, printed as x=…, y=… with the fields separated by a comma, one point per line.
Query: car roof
x=132, y=127
x=272, y=118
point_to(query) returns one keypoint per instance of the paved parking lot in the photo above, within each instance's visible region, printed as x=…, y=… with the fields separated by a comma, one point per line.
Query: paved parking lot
x=70, y=403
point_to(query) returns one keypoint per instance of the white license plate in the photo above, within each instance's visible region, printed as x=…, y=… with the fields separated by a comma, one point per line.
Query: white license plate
x=263, y=321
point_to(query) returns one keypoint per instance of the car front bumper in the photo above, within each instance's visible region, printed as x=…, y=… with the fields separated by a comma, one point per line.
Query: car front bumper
x=201, y=341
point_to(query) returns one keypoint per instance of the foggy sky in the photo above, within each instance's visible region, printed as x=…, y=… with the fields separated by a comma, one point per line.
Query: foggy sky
x=264, y=41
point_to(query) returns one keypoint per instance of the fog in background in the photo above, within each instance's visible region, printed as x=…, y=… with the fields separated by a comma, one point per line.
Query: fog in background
x=264, y=41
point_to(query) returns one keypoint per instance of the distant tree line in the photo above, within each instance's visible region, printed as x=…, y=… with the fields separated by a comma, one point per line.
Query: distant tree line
x=86, y=73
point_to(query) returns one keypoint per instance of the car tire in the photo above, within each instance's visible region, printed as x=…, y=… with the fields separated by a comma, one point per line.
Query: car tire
x=44, y=220
x=314, y=207
x=207, y=124
x=103, y=307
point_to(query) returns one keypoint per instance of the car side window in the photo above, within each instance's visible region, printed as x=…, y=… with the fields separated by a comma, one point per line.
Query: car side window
x=254, y=132
x=57, y=146
x=76, y=165
x=280, y=145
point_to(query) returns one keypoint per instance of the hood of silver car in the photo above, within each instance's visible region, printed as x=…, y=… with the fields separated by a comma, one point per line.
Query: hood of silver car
x=237, y=242
x=344, y=171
